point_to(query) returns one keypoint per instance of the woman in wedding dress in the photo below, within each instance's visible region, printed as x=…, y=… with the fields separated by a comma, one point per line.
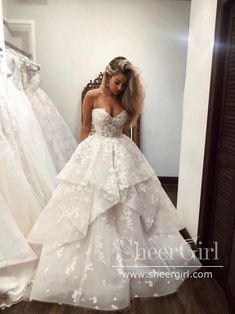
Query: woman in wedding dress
x=109, y=229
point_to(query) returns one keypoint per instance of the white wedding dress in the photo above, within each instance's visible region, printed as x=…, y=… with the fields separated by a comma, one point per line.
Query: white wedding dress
x=16, y=189
x=108, y=203
x=60, y=139
x=23, y=132
x=17, y=259
x=19, y=210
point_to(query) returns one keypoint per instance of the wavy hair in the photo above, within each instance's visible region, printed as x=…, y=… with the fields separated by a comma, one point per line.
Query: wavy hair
x=132, y=96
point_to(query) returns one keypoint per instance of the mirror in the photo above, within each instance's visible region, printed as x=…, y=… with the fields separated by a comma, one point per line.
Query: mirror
x=55, y=51
x=72, y=42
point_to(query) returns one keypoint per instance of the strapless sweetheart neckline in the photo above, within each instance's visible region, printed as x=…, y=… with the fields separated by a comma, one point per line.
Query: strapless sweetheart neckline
x=103, y=109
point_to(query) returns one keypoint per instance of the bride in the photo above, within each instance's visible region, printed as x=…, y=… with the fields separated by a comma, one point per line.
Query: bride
x=109, y=233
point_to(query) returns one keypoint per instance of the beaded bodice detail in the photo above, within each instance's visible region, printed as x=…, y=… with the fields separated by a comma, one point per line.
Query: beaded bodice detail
x=106, y=125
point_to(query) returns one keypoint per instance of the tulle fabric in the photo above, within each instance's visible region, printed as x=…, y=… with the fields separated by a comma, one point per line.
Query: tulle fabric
x=93, y=181
x=27, y=181
x=17, y=259
x=19, y=209
x=23, y=132
x=16, y=189
x=60, y=139
x=108, y=202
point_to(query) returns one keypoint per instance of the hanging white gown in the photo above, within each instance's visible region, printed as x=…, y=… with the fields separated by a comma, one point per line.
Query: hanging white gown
x=60, y=140
x=16, y=189
x=17, y=260
x=26, y=136
x=108, y=204
x=19, y=210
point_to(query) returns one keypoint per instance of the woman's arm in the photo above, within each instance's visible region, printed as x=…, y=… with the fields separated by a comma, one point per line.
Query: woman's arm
x=86, y=112
x=124, y=130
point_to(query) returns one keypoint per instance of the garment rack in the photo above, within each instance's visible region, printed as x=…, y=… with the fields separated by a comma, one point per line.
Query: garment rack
x=28, y=55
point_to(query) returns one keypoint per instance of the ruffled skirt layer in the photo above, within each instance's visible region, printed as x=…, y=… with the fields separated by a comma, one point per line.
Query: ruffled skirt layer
x=109, y=232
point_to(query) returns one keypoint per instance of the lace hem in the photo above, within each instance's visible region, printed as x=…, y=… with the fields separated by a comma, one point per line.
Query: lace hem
x=73, y=208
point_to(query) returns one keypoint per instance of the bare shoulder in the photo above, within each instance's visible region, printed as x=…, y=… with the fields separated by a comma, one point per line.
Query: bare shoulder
x=89, y=99
x=92, y=94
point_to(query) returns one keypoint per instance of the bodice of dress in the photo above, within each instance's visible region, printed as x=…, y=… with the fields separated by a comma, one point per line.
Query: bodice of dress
x=106, y=125
x=21, y=75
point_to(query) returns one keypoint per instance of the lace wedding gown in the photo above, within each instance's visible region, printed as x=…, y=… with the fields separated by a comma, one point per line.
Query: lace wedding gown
x=16, y=189
x=60, y=139
x=108, y=203
x=23, y=131
x=19, y=210
x=17, y=259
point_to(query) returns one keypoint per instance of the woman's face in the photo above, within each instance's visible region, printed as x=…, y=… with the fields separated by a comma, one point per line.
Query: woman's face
x=117, y=83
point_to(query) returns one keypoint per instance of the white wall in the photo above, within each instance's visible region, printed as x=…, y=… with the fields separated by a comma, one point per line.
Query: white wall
x=1, y=27
x=164, y=73
x=195, y=107
x=77, y=38
x=6, y=8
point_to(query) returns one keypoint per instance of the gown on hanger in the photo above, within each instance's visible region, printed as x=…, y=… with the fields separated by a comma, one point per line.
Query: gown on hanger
x=17, y=259
x=98, y=232
x=24, y=133
x=19, y=210
x=16, y=189
x=60, y=139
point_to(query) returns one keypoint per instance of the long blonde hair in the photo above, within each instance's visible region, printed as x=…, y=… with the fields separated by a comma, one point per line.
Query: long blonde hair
x=133, y=95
